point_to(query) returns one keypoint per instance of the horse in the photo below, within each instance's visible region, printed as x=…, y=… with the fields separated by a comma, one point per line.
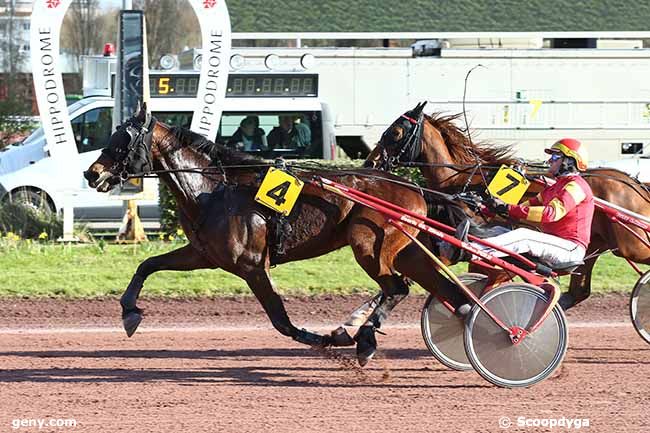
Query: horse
x=449, y=161
x=215, y=187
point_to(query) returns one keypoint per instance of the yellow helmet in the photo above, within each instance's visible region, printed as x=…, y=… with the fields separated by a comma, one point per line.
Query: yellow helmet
x=573, y=149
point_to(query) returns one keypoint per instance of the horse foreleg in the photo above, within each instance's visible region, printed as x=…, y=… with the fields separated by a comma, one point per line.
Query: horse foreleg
x=182, y=259
x=580, y=286
x=260, y=283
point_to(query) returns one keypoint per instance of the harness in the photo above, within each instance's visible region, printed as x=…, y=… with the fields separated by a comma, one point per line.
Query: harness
x=137, y=152
x=410, y=143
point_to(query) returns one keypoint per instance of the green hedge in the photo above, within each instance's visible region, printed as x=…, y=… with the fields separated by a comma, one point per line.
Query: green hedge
x=169, y=214
x=29, y=223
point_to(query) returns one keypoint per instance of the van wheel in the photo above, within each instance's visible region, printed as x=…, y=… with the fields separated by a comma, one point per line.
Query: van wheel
x=34, y=199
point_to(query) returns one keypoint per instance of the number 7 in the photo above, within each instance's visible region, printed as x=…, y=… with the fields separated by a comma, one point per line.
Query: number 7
x=514, y=183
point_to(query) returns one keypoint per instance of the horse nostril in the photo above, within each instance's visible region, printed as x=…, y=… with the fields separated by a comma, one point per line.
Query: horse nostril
x=91, y=176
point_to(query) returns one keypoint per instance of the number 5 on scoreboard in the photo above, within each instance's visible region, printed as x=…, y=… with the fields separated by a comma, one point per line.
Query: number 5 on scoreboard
x=279, y=191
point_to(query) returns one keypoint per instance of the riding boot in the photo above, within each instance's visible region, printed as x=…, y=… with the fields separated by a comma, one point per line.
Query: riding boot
x=453, y=253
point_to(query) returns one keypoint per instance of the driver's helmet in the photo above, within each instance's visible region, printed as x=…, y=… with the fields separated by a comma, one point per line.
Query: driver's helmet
x=571, y=148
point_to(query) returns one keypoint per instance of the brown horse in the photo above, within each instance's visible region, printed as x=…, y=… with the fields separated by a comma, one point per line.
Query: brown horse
x=449, y=159
x=228, y=229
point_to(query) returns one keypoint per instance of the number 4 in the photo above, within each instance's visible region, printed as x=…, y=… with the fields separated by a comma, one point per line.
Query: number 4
x=279, y=192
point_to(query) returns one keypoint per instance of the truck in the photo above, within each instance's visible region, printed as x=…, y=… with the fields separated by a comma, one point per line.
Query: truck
x=525, y=90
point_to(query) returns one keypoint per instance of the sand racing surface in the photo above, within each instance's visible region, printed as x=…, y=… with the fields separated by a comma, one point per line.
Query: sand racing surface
x=217, y=365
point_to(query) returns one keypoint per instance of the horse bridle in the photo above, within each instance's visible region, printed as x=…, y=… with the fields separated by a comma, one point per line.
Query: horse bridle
x=138, y=149
x=409, y=145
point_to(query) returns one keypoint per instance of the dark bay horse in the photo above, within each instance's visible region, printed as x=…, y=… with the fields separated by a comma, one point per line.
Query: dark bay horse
x=227, y=229
x=449, y=156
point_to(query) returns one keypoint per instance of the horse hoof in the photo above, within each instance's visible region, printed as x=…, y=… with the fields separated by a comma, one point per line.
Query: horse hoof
x=131, y=322
x=364, y=356
x=366, y=344
x=340, y=337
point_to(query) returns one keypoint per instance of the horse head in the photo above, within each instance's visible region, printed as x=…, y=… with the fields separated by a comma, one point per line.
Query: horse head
x=129, y=153
x=400, y=142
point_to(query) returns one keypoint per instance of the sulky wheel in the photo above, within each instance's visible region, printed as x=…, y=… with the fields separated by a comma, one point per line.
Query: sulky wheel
x=490, y=350
x=640, y=306
x=443, y=331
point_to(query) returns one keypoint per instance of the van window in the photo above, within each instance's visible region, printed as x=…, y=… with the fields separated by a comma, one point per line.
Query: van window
x=92, y=129
x=288, y=134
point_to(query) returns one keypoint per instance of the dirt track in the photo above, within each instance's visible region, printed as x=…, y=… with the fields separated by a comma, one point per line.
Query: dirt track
x=217, y=366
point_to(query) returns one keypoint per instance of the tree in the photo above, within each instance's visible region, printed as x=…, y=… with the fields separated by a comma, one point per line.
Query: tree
x=14, y=102
x=171, y=26
x=83, y=29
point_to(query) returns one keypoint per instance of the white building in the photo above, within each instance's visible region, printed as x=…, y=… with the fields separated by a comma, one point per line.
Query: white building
x=15, y=28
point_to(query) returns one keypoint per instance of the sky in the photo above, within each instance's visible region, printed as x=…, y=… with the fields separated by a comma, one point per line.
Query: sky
x=111, y=3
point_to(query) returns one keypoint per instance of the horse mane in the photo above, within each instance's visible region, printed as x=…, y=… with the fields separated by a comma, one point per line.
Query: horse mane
x=462, y=149
x=216, y=151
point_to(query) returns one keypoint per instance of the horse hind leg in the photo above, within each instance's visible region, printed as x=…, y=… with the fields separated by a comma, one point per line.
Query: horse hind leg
x=580, y=285
x=395, y=289
x=185, y=258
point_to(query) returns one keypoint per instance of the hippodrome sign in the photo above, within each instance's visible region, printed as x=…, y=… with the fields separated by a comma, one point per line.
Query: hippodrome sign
x=46, y=20
x=47, y=17
x=215, y=55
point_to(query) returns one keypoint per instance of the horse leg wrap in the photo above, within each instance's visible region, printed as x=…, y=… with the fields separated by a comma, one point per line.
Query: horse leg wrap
x=309, y=338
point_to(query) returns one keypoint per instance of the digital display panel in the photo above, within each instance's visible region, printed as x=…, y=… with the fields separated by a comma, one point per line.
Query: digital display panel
x=239, y=85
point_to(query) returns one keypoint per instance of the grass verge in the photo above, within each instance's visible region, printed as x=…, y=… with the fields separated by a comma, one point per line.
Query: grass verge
x=90, y=270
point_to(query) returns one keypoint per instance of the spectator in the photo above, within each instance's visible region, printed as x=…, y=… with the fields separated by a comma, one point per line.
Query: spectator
x=289, y=134
x=249, y=136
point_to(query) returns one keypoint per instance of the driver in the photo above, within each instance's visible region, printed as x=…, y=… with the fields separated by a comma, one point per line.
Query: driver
x=564, y=211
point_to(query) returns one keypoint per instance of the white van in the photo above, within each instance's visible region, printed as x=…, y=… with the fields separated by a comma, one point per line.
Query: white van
x=28, y=175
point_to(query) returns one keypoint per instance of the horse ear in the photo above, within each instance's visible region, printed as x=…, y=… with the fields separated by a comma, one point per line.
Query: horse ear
x=419, y=108
x=141, y=113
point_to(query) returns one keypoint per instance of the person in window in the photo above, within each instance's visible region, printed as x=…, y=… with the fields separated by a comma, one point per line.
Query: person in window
x=302, y=135
x=289, y=134
x=249, y=136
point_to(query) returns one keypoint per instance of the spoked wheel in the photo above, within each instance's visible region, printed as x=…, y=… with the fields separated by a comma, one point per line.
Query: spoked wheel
x=443, y=331
x=640, y=307
x=490, y=350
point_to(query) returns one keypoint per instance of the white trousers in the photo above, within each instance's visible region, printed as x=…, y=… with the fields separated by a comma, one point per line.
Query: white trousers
x=550, y=249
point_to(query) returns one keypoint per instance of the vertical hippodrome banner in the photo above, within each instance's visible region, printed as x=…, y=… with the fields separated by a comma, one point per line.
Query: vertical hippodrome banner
x=215, y=56
x=46, y=19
